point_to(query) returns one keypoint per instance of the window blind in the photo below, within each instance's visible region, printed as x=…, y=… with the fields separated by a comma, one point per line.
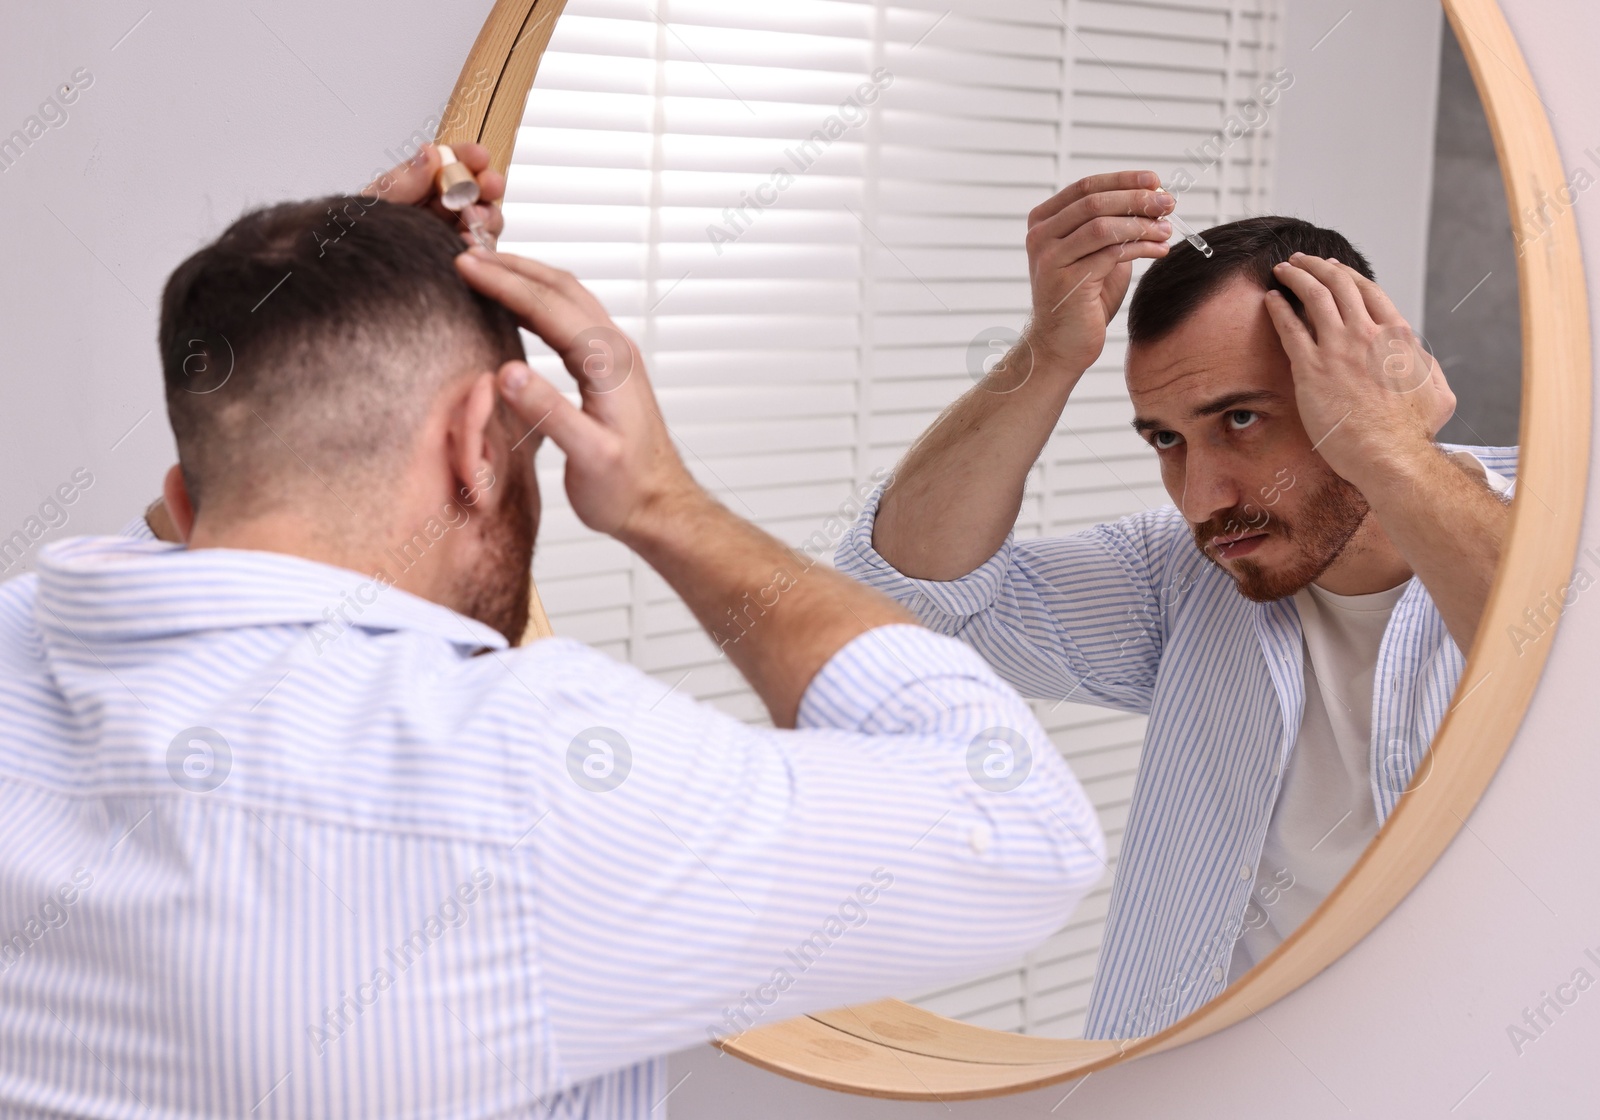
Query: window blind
x=806, y=214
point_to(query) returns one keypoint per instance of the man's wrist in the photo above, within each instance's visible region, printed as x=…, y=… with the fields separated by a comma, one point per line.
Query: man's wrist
x=1403, y=475
x=1375, y=457
x=665, y=519
x=1030, y=373
x=1050, y=361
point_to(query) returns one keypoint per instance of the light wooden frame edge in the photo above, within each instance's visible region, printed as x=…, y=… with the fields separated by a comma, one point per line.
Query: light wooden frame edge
x=893, y=1049
x=486, y=108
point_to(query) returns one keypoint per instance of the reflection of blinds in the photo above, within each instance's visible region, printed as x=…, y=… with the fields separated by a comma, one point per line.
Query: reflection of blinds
x=800, y=345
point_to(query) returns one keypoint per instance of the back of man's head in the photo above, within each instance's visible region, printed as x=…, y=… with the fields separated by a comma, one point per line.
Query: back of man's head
x=1174, y=286
x=303, y=348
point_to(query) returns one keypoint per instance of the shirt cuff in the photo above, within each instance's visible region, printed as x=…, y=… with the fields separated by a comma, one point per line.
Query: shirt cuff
x=961, y=598
x=1496, y=481
x=866, y=684
x=139, y=529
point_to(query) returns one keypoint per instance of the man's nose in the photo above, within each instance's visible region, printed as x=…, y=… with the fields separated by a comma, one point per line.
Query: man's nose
x=1208, y=491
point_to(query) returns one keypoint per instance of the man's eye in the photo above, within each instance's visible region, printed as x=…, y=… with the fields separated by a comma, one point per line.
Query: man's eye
x=1161, y=441
x=1241, y=418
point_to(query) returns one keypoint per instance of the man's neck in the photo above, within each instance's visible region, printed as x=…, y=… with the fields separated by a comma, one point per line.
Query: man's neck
x=295, y=534
x=1369, y=563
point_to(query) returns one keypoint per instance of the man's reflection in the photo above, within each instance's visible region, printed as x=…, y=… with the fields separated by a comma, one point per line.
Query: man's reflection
x=1293, y=624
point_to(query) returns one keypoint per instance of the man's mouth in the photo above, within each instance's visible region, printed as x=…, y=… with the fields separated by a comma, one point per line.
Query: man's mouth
x=1237, y=544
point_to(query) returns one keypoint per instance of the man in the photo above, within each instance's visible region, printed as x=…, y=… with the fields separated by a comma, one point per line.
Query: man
x=1293, y=624
x=288, y=824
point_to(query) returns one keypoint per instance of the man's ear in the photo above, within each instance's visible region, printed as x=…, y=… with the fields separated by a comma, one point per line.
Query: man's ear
x=175, y=521
x=473, y=457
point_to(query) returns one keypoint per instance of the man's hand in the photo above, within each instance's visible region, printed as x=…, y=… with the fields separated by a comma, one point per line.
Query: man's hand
x=1369, y=394
x=956, y=494
x=415, y=183
x=1371, y=400
x=622, y=470
x=1081, y=248
x=625, y=479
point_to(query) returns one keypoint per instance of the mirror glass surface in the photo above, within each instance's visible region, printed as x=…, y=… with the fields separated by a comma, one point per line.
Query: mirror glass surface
x=811, y=216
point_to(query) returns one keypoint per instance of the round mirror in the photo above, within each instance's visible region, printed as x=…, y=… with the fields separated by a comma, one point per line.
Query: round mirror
x=812, y=217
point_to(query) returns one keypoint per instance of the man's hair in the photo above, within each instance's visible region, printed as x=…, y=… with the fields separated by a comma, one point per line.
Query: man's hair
x=307, y=343
x=1174, y=286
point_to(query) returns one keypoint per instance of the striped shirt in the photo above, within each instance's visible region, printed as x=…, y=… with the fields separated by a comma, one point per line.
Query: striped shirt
x=1130, y=615
x=276, y=841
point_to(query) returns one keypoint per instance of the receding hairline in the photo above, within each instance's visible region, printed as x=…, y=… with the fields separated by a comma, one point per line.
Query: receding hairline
x=1244, y=335
x=1165, y=296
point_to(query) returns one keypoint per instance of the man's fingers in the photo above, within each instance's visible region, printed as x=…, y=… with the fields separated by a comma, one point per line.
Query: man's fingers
x=1321, y=307
x=416, y=181
x=561, y=311
x=1379, y=305
x=1337, y=279
x=536, y=303
x=557, y=279
x=1103, y=263
x=1103, y=232
x=1094, y=184
x=410, y=182
x=491, y=187
x=490, y=218
x=1149, y=205
x=1292, y=333
x=548, y=413
x=1100, y=264
x=475, y=157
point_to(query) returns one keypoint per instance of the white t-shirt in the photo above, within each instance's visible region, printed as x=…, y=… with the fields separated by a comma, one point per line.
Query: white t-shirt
x=1326, y=814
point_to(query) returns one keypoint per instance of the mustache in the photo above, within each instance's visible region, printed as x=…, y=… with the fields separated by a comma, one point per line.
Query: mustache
x=1247, y=519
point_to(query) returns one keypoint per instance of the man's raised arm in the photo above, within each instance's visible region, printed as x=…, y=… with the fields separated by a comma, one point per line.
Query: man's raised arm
x=1373, y=400
x=625, y=478
x=956, y=494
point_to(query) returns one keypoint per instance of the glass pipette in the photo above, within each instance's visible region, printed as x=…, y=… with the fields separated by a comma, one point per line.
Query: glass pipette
x=1188, y=232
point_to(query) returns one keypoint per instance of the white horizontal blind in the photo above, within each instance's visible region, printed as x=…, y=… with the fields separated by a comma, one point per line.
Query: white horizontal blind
x=1137, y=85
x=803, y=345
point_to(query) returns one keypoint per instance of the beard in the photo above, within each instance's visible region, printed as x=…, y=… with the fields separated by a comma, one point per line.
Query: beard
x=1319, y=533
x=499, y=591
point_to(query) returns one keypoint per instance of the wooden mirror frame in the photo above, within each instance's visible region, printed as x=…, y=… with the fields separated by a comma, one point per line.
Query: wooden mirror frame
x=893, y=1049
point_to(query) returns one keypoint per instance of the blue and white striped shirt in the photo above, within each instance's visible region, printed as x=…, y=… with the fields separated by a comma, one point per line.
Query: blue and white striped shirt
x=1130, y=615
x=254, y=863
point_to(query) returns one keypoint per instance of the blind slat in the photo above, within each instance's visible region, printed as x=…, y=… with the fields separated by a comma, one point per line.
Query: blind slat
x=805, y=278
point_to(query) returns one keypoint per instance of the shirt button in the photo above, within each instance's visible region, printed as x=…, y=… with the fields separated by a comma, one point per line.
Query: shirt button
x=1244, y=871
x=1216, y=975
x=979, y=838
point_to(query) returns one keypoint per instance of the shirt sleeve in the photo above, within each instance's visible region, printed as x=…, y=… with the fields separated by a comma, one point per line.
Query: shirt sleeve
x=1081, y=616
x=1494, y=480
x=138, y=529
x=695, y=876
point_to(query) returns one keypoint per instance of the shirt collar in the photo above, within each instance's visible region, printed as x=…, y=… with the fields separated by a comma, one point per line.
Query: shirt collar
x=117, y=589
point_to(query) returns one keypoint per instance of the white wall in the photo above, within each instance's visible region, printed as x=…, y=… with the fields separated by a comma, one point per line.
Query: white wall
x=1355, y=131
x=203, y=110
x=1413, y=1022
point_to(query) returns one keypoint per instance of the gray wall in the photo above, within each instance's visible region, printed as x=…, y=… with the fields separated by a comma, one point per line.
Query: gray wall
x=1355, y=132
x=1383, y=138
x=1472, y=322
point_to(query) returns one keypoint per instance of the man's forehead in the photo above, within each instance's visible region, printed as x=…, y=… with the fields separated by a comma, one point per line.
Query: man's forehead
x=1227, y=345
